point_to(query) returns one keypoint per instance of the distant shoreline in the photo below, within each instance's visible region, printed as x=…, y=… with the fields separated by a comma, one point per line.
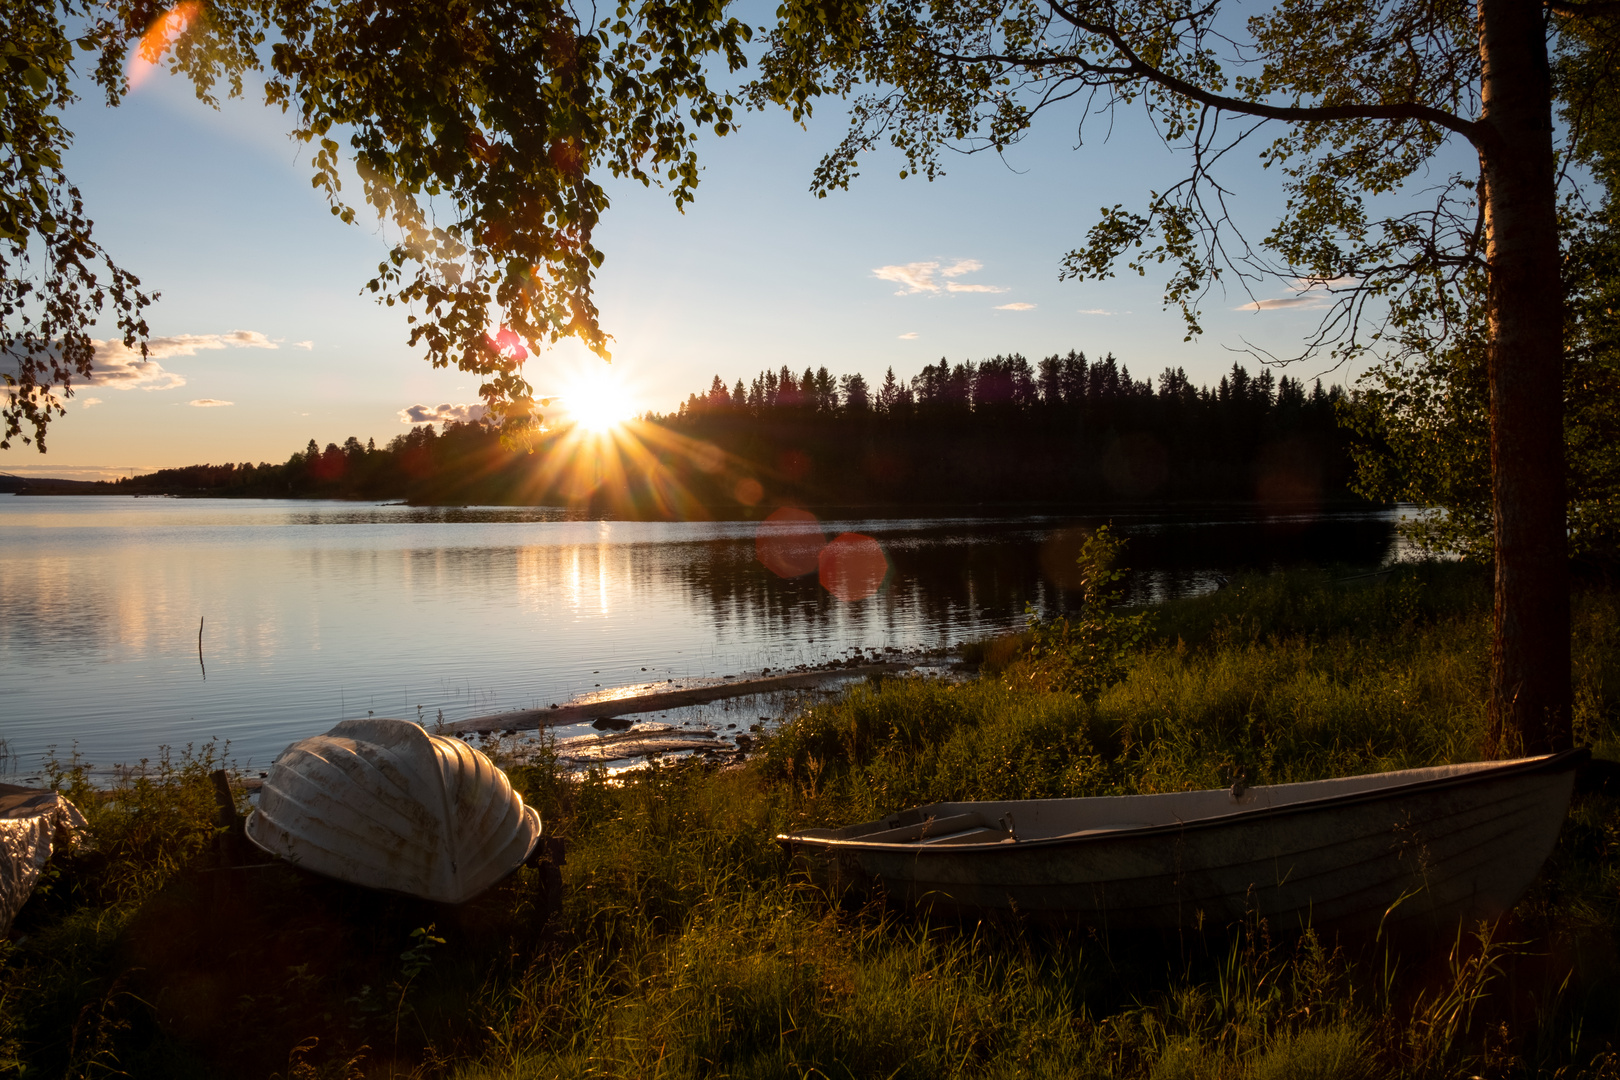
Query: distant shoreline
x=49, y=488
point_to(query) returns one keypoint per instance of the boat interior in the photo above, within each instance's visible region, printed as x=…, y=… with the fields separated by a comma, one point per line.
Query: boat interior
x=1043, y=819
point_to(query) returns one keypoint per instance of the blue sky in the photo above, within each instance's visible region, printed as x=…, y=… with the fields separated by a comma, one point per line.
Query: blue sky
x=264, y=340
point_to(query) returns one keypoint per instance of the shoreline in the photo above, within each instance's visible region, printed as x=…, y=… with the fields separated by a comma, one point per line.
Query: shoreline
x=656, y=701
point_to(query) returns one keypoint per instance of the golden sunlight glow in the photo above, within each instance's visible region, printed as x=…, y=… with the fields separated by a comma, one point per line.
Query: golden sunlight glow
x=163, y=33
x=597, y=400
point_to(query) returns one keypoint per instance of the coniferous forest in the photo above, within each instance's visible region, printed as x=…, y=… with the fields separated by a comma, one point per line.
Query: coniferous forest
x=1064, y=430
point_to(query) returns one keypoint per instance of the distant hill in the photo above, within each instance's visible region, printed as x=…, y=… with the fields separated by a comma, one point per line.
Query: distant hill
x=40, y=485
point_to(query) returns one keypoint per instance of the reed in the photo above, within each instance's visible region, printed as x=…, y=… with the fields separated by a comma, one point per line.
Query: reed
x=682, y=947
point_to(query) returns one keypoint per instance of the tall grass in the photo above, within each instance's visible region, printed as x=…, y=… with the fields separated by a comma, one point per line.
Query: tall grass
x=1274, y=680
x=681, y=946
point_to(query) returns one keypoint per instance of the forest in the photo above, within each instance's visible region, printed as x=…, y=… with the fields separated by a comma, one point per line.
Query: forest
x=1064, y=430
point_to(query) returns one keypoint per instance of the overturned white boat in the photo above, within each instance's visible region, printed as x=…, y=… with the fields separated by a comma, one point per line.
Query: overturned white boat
x=382, y=803
x=33, y=824
x=1423, y=846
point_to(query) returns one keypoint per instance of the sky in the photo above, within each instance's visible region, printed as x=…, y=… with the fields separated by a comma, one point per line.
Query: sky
x=263, y=340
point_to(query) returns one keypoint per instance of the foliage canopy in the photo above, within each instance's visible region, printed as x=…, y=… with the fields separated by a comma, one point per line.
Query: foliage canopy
x=479, y=131
x=1424, y=415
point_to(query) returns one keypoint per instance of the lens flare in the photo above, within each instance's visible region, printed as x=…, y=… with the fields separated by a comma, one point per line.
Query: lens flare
x=789, y=542
x=748, y=491
x=853, y=567
x=165, y=30
x=636, y=470
x=597, y=400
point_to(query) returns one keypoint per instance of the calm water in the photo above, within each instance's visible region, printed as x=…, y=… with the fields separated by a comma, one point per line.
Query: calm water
x=319, y=611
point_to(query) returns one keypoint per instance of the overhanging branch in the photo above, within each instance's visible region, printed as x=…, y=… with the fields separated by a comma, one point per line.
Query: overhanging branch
x=1141, y=69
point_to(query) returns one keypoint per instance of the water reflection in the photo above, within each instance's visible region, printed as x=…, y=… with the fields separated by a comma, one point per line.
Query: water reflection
x=321, y=611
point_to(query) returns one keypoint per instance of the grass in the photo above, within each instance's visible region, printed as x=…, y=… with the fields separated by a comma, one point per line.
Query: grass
x=681, y=947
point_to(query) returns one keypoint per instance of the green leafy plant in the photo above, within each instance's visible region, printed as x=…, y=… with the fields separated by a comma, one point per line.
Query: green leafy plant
x=1090, y=652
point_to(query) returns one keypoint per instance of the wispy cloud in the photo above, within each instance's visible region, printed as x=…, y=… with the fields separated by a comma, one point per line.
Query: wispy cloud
x=933, y=277
x=1101, y=311
x=912, y=277
x=442, y=413
x=1281, y=303
x=191, y=344
x=88, y=402
x=303, y=344
x=1016, y=306
x=209, y=403
x=116, y=366
x=1310, y=293
x=912, y=336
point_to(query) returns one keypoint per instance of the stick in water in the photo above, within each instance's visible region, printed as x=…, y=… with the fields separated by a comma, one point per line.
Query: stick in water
x=200, y=663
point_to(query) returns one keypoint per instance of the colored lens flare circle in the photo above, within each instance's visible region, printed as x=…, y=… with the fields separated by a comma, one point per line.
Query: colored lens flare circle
x=789, y=542
x=749, y=491
x=507, y=345
x=853, y=567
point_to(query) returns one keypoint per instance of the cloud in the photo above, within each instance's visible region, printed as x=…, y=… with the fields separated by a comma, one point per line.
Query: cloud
x=1279, y=303
x=303, y=344
x=913, y=277
x=912, y=336
x=1018, y=306
x=191, y=344
x=88, y=402
x=443, y=413
x=1312, y=293
x=209, y=403
x=1101, y=311
x=923, y=277
x=116, y=366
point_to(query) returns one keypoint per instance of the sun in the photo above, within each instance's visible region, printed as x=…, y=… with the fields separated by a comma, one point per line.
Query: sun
x=596, y=400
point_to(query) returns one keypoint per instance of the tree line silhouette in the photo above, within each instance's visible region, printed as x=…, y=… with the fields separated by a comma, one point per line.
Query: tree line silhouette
x=1064, y=430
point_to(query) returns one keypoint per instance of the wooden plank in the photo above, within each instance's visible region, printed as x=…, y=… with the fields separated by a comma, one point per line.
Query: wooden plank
x=558, y=715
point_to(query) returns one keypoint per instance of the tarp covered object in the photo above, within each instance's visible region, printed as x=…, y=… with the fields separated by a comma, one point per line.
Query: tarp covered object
x=32, y=824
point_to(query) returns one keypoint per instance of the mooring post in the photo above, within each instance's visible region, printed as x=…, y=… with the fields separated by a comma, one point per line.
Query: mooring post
x=227, y=819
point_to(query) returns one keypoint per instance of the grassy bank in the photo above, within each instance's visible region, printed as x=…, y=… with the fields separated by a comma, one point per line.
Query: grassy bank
x=679, y=946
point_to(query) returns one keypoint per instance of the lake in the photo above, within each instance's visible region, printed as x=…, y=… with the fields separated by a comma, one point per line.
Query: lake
x=311, y=612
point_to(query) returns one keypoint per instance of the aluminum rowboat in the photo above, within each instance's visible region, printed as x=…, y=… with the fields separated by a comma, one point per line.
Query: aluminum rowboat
x=1419, y=846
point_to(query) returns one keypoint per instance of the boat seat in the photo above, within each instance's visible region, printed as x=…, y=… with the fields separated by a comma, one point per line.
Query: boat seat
x=981, y=834
x=927, y=830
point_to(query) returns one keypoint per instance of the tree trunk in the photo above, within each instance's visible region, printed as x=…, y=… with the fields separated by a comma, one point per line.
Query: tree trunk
x=1530, y=658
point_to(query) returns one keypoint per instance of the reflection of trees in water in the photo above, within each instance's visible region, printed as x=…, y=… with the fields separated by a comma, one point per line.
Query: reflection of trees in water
x=976, y=576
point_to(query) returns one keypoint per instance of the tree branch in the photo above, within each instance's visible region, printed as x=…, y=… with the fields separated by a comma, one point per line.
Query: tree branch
x=1293, y=113
x=1589, y=9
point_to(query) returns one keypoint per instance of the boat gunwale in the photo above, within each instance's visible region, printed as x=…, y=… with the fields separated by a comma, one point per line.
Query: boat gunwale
x=1556, y=763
